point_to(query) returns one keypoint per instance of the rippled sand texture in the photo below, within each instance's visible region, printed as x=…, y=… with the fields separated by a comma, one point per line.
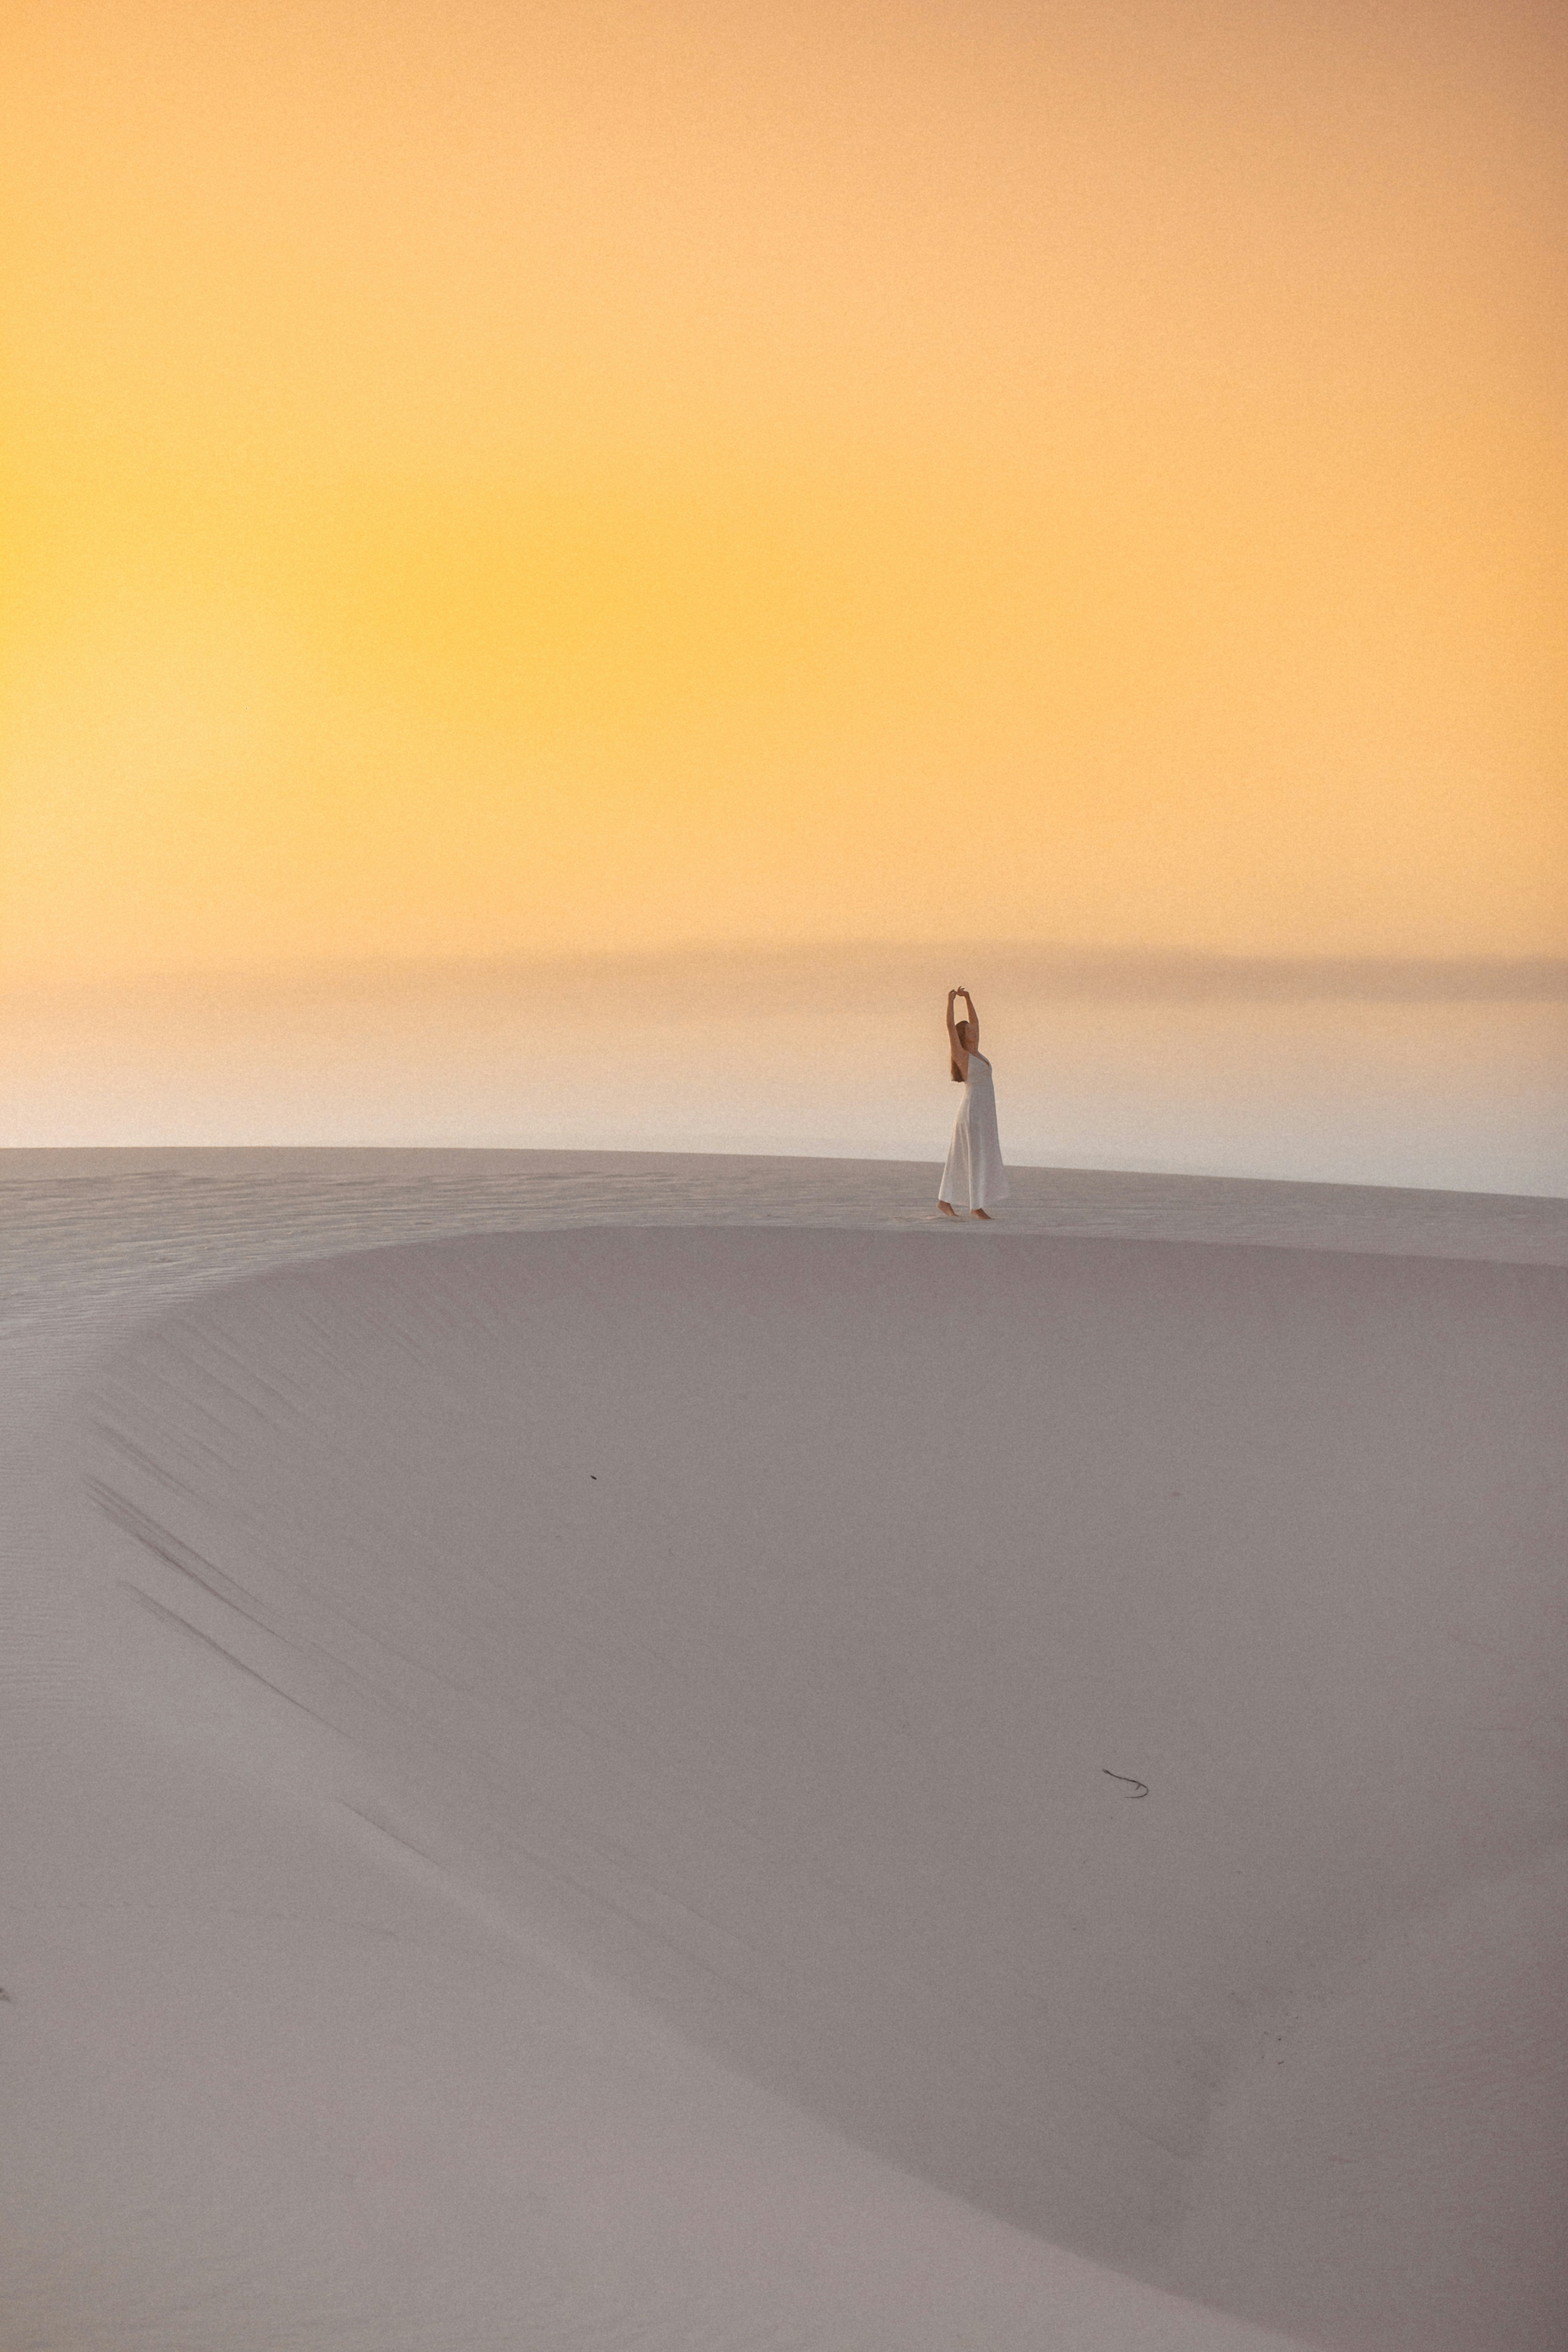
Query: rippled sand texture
x=653, y=1752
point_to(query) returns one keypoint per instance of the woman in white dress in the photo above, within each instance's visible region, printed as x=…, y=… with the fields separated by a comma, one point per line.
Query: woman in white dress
x=974, y=1172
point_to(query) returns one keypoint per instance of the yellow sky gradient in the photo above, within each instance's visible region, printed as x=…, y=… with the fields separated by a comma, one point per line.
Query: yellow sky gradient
x=482, y=478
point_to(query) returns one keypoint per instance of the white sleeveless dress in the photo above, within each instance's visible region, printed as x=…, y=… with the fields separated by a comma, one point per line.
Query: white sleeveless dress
x=974, y=1176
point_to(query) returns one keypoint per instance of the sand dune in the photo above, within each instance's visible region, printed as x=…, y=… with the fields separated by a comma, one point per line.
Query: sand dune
x=748, y=1782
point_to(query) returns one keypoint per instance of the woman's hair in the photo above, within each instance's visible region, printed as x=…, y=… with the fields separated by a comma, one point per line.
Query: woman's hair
x=954, y=1073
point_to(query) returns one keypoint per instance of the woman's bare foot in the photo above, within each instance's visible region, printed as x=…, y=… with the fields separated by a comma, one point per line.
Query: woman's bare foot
x=981, y=1213
x=947, y=1208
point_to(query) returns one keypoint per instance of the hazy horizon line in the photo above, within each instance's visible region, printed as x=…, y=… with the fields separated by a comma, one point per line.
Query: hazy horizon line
x=1066, y=968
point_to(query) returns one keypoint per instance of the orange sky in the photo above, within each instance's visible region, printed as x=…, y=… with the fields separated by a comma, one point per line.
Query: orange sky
x=484, y=477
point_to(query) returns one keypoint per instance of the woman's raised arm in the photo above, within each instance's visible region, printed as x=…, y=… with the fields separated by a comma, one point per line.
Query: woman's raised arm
x=957, y=1052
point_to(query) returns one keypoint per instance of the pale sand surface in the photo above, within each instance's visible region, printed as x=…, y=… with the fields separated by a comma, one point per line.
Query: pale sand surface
x=559, y=1760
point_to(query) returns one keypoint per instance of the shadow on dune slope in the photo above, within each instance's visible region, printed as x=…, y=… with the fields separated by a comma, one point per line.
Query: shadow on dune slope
x=1083, y=1716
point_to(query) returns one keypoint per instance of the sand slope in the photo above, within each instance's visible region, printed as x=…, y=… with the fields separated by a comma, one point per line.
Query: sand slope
x=714, y=1786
